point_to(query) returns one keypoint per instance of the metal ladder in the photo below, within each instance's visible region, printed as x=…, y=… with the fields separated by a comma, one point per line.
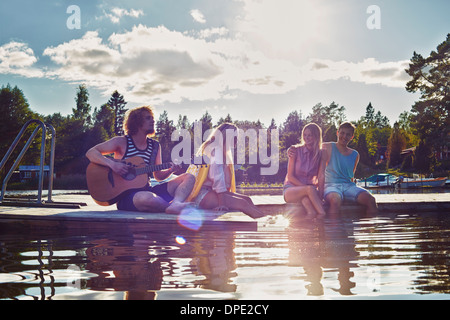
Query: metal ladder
x=18, y=202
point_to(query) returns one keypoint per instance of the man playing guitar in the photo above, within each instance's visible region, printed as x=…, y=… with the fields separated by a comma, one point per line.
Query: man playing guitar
x=139, y=127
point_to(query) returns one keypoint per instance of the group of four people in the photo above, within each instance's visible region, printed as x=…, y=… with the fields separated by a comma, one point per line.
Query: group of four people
x=316, y=171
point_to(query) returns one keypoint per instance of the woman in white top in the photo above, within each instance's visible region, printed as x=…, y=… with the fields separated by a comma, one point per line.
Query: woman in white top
x=215, y=192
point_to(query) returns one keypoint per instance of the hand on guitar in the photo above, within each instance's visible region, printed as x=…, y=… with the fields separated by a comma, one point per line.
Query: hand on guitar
x=175, y=168
x=120, y=168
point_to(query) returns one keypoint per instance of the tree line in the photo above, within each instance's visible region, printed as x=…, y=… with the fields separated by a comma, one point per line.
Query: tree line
x=380, y=145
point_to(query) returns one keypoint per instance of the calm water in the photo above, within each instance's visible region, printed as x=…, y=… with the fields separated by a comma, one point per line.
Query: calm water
x=389, y=256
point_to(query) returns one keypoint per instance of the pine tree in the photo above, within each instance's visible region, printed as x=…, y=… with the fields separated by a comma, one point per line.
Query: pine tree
x=164, y=129
x=396, y=143
x=83, y=108
x=118, y=104
x=431, y=114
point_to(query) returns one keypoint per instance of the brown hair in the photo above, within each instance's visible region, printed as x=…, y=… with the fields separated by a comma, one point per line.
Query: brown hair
x=134, y=119
x=347, y=125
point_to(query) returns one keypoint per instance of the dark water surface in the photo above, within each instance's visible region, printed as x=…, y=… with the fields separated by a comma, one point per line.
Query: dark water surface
x=389, y=256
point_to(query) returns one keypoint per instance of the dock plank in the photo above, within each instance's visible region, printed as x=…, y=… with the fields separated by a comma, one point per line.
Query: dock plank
x=395, y=203
x=92, y=213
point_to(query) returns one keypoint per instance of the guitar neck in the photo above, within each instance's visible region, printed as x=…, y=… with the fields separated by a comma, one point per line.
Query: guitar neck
x=153, y=168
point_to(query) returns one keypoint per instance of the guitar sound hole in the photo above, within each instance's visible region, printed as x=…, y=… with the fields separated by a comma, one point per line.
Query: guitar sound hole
x=130, y=175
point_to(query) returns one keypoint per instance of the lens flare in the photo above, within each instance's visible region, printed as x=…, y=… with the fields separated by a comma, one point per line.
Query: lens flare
x=191, y=218
x=180, y=240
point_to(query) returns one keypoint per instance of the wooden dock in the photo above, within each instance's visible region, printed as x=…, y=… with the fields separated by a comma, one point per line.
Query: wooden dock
x=92, y=215
x=393, y=203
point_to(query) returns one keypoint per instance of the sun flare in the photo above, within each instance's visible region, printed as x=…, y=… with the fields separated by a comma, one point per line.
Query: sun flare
x=286, y=26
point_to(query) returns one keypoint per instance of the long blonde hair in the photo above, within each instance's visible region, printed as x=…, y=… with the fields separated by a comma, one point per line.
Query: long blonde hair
x=212, y=136
x=317, y=134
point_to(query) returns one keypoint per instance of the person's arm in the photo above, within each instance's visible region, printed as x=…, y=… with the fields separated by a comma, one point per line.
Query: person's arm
x=291, y=169
x=354, y=168
x=292, y=150
x=321, y=174
x=219, y=186
x=96, y=155
x=163, y=174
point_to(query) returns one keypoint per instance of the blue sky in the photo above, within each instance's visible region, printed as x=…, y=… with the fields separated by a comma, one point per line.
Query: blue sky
x=250, y=58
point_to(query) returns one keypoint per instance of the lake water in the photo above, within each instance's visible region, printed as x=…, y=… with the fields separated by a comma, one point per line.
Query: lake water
x=389, y=256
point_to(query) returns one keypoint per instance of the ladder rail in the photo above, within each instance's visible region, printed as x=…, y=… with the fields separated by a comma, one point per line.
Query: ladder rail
x=42, y=126
x=52, y=162
x=39, y=203
x=15, y=142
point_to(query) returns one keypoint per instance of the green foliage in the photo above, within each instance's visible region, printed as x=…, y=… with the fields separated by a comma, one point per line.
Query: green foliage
x=164, y=129
x=396, y=143
x=83, y=108
x=371, y=136
x=105, y=121
x=15, y=112
x=117, y=104
x=430, y=115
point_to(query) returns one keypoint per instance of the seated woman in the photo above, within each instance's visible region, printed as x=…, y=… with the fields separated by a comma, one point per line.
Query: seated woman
x=215, y=184
x=300, y=185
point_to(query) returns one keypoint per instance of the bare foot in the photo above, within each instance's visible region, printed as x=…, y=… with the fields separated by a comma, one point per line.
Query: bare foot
x=310, y=216
x=176, y=207
x=254, y=212
x=372, y=211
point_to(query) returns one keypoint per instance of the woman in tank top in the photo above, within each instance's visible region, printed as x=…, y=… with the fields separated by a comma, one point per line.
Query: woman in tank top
x=300, y=185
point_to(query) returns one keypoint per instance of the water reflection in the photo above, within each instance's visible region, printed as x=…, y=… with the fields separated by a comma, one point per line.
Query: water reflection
x=389, y=255
x=136, y=263
x=142, y=263
x=323, y=246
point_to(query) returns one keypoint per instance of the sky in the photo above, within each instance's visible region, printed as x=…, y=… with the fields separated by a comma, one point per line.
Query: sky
x=252, y=59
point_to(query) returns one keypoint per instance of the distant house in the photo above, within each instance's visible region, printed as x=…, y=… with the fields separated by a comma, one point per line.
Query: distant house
x=27, y=173
x=440, y=155
x=408, y=151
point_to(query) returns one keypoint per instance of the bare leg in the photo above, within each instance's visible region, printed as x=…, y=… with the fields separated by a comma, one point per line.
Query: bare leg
x=233, y=202
x=244, y=197
x=366, y=199
x=149, y=202
x=335, y=201
x=296, y=194
x=243, y=203
x=180, y=188
x=310, y=212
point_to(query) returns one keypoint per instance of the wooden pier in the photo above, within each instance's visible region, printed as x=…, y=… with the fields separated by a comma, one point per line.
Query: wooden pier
x=92, y=215
x=392, y=203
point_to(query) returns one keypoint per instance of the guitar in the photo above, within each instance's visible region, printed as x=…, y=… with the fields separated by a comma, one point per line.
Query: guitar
x=106, y=187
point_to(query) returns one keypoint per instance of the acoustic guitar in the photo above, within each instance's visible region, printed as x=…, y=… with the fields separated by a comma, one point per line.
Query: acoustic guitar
x=105, y=186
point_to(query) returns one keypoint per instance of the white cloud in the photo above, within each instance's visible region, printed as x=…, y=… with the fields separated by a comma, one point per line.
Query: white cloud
x=86, y=59
x=17, y=58
x=117, y=13
x=153, y=64
x=368, y=71
x=158, y=65
x=210, y=33
x=198, y=16
x=284, y=28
